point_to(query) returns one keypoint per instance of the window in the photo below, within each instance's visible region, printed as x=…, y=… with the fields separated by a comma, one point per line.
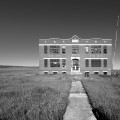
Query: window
x=54, y=62
x=86, y=49
x=63, y=72
x=105, y=62
x=63, y=63
x=104, y=49
x=45, y=49
x=86, y=74
x=45, y=62
x=95, y=62
x=86, y=62
x=46, y=73
x=54, y=49
x=96, y=73
x=96, y=49
x=75, y=49
x=55, y=72
x=63, y=50
x=105, y=73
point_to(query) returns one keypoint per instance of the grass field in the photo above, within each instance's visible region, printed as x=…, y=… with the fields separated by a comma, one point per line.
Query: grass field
x=104, y=96
x=25, y=95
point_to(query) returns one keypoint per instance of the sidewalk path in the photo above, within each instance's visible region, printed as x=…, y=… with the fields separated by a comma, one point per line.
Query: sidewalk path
x=79, y=107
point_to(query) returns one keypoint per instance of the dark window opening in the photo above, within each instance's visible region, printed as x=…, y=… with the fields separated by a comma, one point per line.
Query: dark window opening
x=45, y=62
x=104, y=73
x=95, y=62
x=45, y=49
x=63, y=63
x=87, y=63
x=54, y=72
x=86, y=74
x=75, y=49
x=96, y=73
x=54, y=62
x=63, y=50
x=96, y=49
x=54, y=49
x=45, y=73
x=105, y=62
x=63, y=72
x=104, y=49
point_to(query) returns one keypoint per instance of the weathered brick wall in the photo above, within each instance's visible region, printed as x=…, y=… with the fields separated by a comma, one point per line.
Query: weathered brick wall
x=68, y=56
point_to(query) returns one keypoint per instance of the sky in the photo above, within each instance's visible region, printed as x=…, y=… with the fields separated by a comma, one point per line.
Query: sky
x=24, y=22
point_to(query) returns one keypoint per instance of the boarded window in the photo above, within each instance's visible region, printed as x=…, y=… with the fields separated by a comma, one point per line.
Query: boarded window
x=45, y=49
x=86, y=49
x=54, y=49
x=105, y=49
x=87, y=63
x=75, y=49
x=105, y=62
x=96, y=49
x=63, y=63
x=45, y=62
x=54, y=62
x=95, y=62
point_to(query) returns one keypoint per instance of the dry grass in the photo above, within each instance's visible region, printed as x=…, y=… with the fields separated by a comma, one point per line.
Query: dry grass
x=33, y=97
x=104, y=96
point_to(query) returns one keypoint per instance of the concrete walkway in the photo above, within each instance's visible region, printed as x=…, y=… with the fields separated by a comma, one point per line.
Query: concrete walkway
x=79, y=107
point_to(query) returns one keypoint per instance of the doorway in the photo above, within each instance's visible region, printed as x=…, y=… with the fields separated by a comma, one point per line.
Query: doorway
x=75, y=64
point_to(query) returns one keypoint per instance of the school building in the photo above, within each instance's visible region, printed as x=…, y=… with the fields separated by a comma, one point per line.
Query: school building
x=75, y=56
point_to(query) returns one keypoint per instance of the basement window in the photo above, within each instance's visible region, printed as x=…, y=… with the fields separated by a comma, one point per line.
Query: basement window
x=86, y=74
x=45, y=73
x=63, y=72
x=63, y=49
x=96, y=73
x=55, y=72
x=104, y=73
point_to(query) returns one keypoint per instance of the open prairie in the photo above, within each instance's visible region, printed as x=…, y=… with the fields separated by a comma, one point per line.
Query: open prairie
x=104, y=96
x=26, y=95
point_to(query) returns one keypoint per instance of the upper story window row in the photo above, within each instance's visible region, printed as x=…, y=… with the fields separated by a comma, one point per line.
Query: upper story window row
x=94, y=49
x=54, y=49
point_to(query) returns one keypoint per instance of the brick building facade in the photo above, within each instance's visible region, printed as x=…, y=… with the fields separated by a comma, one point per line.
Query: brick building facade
x=75, y=56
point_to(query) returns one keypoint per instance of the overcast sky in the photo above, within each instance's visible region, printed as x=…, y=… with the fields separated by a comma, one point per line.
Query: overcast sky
x=23, y=22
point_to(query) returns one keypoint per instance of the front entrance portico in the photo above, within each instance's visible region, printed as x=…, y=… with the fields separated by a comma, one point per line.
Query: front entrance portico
x=75, y=65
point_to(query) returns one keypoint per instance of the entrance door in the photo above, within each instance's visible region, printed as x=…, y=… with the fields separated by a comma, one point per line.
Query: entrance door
x=75, y=65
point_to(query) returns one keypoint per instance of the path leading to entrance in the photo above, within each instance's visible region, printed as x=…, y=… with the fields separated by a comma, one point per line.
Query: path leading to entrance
x=79, y=107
